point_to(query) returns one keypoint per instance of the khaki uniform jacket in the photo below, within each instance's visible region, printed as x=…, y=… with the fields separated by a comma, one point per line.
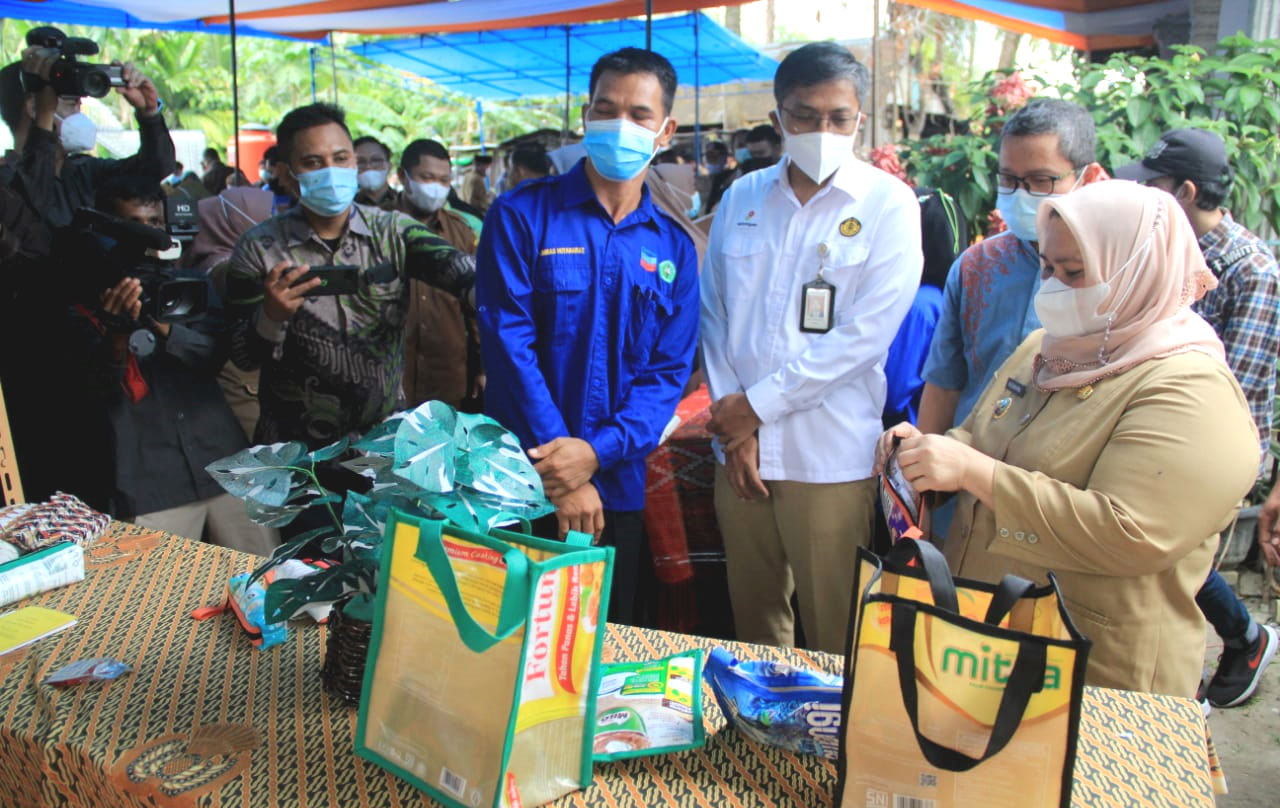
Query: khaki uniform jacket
x=1121, y=492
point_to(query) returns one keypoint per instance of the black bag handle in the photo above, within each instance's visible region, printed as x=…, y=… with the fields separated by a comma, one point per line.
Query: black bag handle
x=1012, y=588
x=934, y=566
x=1026, y=678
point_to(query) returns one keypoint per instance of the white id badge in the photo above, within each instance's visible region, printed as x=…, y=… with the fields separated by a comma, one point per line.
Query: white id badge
x=817, y=307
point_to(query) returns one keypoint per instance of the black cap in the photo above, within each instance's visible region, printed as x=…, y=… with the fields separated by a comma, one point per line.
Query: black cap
x=1194, y=154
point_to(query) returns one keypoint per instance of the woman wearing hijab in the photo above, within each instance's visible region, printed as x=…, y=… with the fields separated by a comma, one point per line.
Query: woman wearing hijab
x=1109, y=445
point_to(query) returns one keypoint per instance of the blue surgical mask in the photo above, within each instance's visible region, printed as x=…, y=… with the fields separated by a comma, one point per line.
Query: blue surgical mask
x=742, y=155
x=695, y=205
x=328, y=191
x=618, y=148
x=1019, y=211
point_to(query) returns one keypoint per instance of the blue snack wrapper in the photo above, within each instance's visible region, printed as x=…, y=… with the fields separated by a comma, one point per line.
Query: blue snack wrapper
x=778, y=704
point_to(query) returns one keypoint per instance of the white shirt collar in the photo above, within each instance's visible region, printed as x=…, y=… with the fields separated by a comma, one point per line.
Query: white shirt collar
x=848, y=178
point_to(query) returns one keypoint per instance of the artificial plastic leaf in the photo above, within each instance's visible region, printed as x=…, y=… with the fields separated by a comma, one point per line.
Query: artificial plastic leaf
x=425, y=447
x=497, y=465
x=329, y=452
x=476, y=512
x=263, y=474
x=381, y=439
x=273, y=515
x=289, y=550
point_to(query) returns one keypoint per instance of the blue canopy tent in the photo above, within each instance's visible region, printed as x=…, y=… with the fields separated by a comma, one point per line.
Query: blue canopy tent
x=549, y=60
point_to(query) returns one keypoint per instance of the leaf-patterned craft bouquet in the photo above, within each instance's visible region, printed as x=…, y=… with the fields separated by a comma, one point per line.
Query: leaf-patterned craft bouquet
x=432, y=461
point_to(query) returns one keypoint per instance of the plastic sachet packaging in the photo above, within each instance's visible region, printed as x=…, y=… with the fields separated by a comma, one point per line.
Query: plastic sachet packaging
x=778, y=704
x=649, y=708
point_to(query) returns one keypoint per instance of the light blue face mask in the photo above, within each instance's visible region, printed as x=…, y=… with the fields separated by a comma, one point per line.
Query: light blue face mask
x=1019, y=210
x=618, y=148
x=695, y=205
x=742, y=155
x=328, y=191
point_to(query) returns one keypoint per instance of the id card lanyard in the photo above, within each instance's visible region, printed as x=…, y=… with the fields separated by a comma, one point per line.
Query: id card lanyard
x=818, y=300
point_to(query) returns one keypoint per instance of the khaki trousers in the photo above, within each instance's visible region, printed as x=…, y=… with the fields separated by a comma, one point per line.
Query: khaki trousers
x=225, y=516
x=802, y=539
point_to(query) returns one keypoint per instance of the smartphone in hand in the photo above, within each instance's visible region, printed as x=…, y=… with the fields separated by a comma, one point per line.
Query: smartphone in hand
x=339, y=279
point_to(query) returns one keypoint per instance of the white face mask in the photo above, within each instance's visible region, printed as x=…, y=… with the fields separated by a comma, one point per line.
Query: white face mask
x=371, y=180
x=78, y=133
x=1068, y=312
x=818, y=154
x=428, y=196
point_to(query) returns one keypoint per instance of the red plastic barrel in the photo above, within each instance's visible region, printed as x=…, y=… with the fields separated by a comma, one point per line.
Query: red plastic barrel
x=255, y=139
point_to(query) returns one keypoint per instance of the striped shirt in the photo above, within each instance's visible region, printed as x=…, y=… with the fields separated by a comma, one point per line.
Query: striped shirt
x=1245, y=311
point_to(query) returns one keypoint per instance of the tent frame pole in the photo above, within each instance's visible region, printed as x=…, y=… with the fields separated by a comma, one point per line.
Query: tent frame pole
x=333, y=66
x=875, y=74
x=235, y=83
x=648, y=25
x=564, y=136
x=697, y=98
x=312, y=52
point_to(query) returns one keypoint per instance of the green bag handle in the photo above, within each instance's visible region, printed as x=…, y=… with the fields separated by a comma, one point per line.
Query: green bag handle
x=578, y=539
x=515, y=590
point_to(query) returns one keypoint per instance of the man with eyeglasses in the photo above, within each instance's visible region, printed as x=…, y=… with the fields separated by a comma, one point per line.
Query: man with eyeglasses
x=812, y=265
x=373, y=166
x=1047, y=149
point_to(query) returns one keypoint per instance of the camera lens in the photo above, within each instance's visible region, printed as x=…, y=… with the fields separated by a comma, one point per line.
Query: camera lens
x=95, y=82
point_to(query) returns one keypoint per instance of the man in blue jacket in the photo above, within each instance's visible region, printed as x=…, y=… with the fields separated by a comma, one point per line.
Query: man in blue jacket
x=588, y=308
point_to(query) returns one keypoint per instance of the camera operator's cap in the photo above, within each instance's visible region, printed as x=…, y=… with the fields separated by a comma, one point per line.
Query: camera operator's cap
x=1193, y=154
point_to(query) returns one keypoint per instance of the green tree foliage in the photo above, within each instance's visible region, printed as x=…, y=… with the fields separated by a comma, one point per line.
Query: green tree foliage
x=1133, y=99
x=192, y=72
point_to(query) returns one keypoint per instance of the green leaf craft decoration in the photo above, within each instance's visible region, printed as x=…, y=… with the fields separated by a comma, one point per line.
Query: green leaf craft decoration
x=431, y=461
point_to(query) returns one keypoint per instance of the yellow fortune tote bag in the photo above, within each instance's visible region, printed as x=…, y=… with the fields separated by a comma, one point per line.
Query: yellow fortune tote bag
x=484, y=663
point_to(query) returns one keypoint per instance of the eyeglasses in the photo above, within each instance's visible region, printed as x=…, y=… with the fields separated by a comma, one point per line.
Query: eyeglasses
x=373, y=164
x=802, y=122
x=1036, y=184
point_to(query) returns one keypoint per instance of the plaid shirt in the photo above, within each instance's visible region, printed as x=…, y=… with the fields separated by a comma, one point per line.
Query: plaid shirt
x=1245, y=311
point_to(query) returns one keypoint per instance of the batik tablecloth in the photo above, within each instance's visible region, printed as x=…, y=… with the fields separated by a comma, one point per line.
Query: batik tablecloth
x=207, y=720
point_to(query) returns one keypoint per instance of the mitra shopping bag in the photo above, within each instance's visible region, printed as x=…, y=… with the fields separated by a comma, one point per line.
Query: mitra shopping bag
x=484, y=663
x=957, y=693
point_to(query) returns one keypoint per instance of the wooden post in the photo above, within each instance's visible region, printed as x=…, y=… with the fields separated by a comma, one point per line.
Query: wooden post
x=10, y=484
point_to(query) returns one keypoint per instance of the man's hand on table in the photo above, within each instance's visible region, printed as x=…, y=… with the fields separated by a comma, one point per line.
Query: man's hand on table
x=580, y=510
x=565, y=465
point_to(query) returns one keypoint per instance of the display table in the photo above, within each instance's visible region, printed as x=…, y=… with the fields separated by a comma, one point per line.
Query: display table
x=207, y=720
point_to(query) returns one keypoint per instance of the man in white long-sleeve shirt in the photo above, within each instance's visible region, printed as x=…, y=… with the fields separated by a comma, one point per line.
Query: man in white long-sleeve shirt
x=811, y=268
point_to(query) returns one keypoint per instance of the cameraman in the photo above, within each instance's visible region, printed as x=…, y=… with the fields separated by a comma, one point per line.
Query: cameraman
x=168, y=417
x=50, y=130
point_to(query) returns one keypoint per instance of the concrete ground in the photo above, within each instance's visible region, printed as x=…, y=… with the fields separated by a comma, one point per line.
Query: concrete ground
x=1248, y=737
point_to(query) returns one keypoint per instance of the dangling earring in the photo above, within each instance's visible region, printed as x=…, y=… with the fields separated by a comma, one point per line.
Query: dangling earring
x=1103, y=359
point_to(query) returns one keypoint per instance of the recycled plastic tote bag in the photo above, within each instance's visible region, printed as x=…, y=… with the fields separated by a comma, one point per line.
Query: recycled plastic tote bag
x=484, y=663
x=957, y=693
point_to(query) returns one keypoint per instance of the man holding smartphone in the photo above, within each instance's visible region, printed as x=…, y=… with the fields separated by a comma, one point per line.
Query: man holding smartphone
x=330, y=343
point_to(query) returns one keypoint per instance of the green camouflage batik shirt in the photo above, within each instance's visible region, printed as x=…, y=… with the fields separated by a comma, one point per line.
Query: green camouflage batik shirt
x=335, y=368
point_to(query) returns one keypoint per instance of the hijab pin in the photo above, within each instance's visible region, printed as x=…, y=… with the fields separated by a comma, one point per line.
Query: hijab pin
x=1084, y=392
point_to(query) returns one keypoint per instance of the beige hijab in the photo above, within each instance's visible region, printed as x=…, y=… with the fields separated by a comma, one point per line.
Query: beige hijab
x=1136, y=239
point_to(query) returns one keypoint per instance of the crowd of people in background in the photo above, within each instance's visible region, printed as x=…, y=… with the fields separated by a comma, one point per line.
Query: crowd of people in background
x=1089, y=390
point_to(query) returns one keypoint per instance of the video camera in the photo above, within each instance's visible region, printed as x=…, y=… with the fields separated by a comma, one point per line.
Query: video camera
x=166, y=298
x=69, y=76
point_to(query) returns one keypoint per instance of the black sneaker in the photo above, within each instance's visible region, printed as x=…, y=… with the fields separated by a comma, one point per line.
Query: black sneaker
x=1240, y=669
